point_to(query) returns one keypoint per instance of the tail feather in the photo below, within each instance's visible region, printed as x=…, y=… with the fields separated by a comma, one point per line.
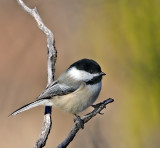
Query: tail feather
x=29, y=106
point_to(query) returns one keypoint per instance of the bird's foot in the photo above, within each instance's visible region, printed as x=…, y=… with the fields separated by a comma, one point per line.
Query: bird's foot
x=80, y=122
x=96, y=106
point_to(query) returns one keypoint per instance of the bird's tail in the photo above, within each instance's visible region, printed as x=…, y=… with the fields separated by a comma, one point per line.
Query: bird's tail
x=29, y=106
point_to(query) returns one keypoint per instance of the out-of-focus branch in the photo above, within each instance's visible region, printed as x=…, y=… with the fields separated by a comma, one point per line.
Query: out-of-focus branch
x=52, y=56
x=97, y=109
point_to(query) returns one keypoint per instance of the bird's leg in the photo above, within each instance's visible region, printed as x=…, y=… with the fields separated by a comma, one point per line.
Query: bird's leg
x=80, y=122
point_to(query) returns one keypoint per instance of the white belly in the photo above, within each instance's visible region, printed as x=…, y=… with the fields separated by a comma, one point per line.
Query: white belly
x=79, y=100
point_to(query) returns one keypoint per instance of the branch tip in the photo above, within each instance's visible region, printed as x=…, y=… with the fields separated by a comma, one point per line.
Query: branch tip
x=97, y=110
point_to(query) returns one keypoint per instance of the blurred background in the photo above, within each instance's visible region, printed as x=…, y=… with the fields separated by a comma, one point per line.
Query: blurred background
x=122, y=35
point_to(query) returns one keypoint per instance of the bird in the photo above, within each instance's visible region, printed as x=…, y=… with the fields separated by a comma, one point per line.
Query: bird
x=76, y=89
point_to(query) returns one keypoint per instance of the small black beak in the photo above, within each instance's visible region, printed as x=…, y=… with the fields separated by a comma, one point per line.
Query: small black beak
x=102, y=74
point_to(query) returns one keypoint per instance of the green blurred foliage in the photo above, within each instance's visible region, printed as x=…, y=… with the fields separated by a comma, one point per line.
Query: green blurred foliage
x=126, y=35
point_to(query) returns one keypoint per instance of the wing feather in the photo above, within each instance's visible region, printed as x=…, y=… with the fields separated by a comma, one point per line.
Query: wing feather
x=57, y=89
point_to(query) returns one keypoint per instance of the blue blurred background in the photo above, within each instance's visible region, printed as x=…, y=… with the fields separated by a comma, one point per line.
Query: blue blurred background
x=122, y=35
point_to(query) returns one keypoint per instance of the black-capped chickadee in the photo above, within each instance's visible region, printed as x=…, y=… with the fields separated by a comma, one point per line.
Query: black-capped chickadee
x=75, y=89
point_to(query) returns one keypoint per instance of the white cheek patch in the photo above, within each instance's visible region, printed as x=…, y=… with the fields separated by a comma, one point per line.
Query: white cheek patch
x=80, y=74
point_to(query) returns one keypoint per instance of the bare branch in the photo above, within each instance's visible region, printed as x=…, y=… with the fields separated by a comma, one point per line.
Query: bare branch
x=52, y=52
x=52, y=56
x=97, y=110
x=46, y=127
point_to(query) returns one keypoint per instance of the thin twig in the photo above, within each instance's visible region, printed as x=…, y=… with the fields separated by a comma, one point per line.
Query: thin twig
x=97, y=109
x=52, y=57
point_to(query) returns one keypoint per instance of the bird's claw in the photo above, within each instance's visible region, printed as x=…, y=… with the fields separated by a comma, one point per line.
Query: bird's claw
x=96, y=106
x=80, y=122
x=101, y=113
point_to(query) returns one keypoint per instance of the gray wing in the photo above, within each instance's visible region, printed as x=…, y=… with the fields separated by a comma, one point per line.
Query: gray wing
x=57, y=89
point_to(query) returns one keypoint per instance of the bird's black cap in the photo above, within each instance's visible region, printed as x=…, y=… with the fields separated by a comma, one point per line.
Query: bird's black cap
x=88, y=65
